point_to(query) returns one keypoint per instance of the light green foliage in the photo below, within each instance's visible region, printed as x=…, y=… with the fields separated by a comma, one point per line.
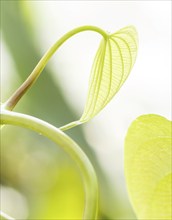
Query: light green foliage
x=112, y=65
x=66, y=199
x=148, y=167
x=113, y=62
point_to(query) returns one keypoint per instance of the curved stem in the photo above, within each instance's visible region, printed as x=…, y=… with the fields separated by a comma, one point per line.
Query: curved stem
x=64, y=141
x=4, y=216
x=13, y=100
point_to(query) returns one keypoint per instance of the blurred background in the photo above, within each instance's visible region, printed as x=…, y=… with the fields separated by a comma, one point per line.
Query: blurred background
x=38, y=180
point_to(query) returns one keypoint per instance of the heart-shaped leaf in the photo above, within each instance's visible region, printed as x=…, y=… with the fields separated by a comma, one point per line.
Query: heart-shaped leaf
x=112, y=65
x=148, y=167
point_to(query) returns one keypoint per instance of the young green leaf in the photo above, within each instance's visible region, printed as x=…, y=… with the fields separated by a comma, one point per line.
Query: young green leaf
x=148, y=167
x=112, y=65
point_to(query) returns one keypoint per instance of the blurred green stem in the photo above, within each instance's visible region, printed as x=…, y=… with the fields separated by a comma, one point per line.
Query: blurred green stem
x=13, y=100
x=4, y=216
x=65, y=142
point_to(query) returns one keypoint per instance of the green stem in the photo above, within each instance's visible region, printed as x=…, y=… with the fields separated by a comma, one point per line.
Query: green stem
x=4, y=216
x=70, y=125
x=13, y=100
x=65, y=142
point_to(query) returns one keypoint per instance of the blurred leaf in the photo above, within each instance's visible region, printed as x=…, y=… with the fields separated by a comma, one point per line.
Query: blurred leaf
x=148, y=167
x=113, y=62
x=64, y=201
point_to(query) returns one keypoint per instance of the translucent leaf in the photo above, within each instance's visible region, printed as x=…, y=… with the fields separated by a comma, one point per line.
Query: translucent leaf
x=112, y=65
x=148, y=167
